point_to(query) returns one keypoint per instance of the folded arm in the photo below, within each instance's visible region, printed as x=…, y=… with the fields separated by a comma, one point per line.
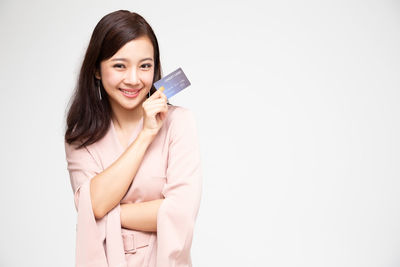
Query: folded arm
x=182, y=193
x=109, y=187
x=140, y=216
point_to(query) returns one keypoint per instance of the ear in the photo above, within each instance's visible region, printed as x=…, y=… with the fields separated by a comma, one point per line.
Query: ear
x=97, y=75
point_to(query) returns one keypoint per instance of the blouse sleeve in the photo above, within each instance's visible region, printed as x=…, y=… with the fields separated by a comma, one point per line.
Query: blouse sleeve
x=90, y=232
x=182, y=192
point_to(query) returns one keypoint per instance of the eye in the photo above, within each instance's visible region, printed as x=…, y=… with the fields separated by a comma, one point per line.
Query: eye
x=146, y=66
x=119, y=66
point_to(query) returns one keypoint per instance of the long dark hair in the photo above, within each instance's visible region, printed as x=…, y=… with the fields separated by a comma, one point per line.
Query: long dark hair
x=89, y=116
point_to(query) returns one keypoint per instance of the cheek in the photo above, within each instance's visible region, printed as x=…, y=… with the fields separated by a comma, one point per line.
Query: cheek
x=147, y=77
x=110, y=77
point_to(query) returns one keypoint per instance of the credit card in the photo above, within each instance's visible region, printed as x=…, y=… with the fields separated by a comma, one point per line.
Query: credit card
x=173, y=83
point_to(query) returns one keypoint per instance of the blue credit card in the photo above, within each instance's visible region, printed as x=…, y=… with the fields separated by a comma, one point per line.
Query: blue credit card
x=173, y=83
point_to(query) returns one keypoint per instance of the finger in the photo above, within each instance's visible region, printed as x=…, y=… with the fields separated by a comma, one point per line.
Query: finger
x=154, y=109
x=158, y=100
x=162, y=114
x=151, y=105
x=155, y=106
x=154, y=101
x=153, y=96
x=156, y=94
x=159, y=93
x=164, y=96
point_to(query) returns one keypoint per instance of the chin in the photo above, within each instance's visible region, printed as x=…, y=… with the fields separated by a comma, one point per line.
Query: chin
x=132, y=104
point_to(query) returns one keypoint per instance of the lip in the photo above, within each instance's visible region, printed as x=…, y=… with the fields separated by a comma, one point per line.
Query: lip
x=130, y=90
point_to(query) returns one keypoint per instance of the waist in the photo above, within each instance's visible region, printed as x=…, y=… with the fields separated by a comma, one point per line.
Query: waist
x=133, y=239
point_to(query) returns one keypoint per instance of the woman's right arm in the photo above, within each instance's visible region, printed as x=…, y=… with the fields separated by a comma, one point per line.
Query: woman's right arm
x=109, y=187
x=141, y=216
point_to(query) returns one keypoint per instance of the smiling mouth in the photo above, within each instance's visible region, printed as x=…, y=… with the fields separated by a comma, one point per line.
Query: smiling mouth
x=130, y=93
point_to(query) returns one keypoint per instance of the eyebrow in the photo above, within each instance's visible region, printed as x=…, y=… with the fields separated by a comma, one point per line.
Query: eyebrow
x=124, y=59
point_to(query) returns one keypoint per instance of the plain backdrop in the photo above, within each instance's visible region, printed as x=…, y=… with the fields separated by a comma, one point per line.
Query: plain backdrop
x=297, y=106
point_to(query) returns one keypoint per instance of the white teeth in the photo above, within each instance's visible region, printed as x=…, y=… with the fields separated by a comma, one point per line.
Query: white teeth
x=128, y=92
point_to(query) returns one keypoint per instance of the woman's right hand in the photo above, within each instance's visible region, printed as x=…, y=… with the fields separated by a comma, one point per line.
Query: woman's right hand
x=155, y=111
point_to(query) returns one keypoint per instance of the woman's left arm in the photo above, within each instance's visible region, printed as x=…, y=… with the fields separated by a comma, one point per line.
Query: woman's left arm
x=182, y=192
x=140, y=216
x=173, y=217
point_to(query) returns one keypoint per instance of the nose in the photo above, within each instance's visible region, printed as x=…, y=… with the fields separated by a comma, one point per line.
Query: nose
x=131, y=76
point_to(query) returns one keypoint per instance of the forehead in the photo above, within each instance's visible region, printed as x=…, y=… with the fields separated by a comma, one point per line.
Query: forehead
x=135, y=49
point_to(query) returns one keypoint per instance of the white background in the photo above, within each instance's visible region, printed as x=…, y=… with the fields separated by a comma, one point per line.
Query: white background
x=297, y=104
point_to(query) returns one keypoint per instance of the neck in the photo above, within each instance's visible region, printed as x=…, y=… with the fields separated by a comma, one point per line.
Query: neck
x=124, y=118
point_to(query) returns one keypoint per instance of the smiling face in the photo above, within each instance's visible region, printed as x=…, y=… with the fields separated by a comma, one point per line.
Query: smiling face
x=127, y=76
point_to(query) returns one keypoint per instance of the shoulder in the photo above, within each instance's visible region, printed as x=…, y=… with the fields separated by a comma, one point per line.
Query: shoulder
x=72, y=147
x=178, y=115
x=180, y=122
x=74, y=151
x=78, y=147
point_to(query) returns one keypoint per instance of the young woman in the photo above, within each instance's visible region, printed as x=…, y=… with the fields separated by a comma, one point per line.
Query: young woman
x=133, y=158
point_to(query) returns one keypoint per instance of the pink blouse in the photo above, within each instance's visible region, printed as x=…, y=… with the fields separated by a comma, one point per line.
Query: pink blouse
x=171, y=169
